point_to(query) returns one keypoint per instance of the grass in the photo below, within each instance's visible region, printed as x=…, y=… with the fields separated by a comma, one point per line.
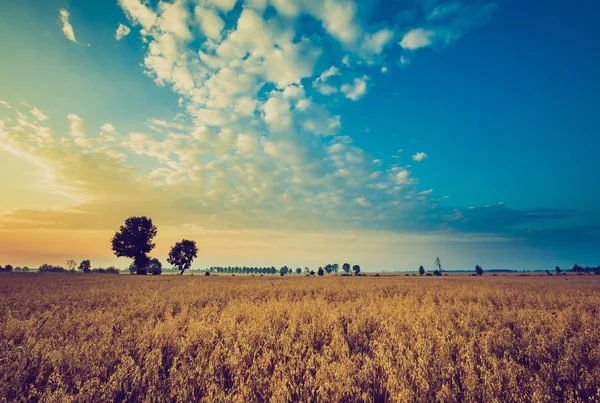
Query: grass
x=252, y=339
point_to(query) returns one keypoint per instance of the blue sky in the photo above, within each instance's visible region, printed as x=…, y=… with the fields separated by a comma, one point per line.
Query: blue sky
x=394, y=131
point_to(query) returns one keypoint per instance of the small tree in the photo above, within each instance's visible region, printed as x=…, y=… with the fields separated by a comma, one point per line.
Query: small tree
x=558, y=270
x=183, y=254
x=346, y=268
x=71, y=264
x=478, y=270
x=298, y=270
x=306, y=270
x=328, y=268
x=134, y=240
x=155, y=267
x=85, y=266
x=356, y=270
x=335, y=267
x=320, y=272
x=421, y=270
x=438, y=265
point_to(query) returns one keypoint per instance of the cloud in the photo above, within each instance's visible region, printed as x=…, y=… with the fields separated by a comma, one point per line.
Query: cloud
x=138, y=12
x=417, y=38
x=122, y=31
x=5, y=104
x=447, y=23
x=419, y=157
x=257, y=146
x=210, y=22
x=38, y=114
x=357, y=89
x=373, y=44
x=77, y=125
x=67, y=28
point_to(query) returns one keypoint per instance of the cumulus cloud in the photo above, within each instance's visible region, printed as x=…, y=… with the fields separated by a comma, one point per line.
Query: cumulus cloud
x=122, y=31
x=35, y=112
x=67, y=28
x=210, y=22
x=257, y=147
x=419, y=157
x=77, y=125
x=447, y=23
x=357, y=89
x=417, y=38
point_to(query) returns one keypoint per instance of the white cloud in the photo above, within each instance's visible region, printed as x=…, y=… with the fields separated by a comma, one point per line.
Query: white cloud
x=5, y=104
x=361, y=201
x=35, y=112
x=210, y=22
x=417, y=38
x=67, y=28
x=419, y=157
x=320, y=82
x=77, y=125
x=373, y=44
x=122, y=31
x=137, y=11
x=447, y=23
x=174, y=19
x=403, y=177
x=357, y=89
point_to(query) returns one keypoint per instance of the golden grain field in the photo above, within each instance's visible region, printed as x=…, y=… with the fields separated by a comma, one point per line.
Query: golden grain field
x=94, y=338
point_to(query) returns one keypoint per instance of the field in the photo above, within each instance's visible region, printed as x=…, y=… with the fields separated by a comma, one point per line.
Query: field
x=95, y=338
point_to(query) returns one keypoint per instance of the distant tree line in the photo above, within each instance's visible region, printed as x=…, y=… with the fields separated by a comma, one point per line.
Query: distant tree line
x=134, y=240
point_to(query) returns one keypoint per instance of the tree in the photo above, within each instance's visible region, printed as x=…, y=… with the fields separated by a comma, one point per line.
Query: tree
x=155, y=267
x=346, y=268
x=421, y=270
x=478, y=270
x=438, y=265
x=71, y=264
x=335, y=267
x=134, y=240
x=356, y=269
x=306, y=270
x=320, y=272
x=328, y=268
x=298, y=270
x=558, y=270
x=85, y=266
x=183, y=254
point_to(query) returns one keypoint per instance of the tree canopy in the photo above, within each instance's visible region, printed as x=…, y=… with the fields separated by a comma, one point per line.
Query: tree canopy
x=134, y=240
x=182, y=254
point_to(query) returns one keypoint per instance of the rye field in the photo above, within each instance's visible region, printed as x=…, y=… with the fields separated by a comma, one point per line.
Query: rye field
x=94, y=338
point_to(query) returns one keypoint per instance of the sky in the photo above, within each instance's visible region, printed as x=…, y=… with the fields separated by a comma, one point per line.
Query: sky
x=285, y=132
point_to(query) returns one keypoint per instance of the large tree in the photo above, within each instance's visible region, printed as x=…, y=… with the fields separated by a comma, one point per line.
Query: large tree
x=155, y=267
x=346, y=268
x=85, y=266
x=183, y=254
x=134, y=240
